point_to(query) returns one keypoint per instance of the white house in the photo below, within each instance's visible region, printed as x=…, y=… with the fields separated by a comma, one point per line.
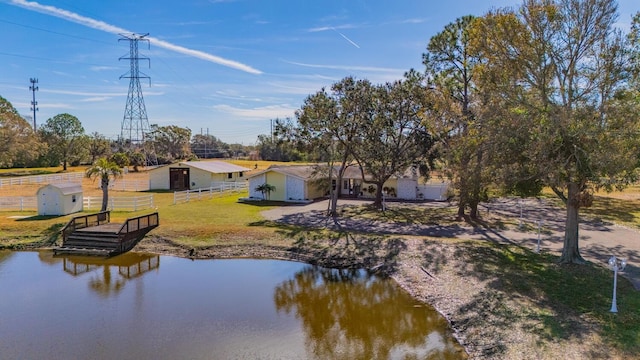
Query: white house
x=301, y=183
x=195, y=175
x=59, y=199
x=293, y=183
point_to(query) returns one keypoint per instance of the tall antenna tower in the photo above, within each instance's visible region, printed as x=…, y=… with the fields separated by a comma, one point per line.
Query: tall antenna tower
x=34, y=104
x=135, y=124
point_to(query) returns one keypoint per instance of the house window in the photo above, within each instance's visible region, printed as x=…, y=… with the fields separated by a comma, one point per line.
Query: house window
x=73, y=198
x=345, y=184
x=230, y=176
x=240, y=174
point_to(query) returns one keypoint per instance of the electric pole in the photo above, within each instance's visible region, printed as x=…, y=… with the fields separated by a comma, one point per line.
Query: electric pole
x=135, y=123
x=33, y=88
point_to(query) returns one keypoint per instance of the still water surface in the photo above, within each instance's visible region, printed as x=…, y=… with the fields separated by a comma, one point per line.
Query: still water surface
x=140, y=306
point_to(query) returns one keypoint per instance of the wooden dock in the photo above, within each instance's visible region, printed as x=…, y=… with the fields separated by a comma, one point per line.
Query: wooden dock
x=95, y=234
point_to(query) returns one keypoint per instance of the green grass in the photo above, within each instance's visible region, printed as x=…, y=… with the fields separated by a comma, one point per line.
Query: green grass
x=619, y=211
x=557, y=296
x=221, y=220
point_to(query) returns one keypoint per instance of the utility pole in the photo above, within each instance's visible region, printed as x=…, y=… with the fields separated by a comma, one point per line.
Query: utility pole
x=135, y=123
x=34, y=104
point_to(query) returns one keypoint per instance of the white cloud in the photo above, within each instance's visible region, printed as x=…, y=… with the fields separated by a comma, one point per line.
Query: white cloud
x=328, y=28
x=103, y=68
x=102, y=26
x=259, y=113
x=348, y=67
x=97, y=99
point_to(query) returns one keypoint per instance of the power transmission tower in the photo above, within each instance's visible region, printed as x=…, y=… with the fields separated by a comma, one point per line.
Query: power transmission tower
x=34, y=104
x=135, y=124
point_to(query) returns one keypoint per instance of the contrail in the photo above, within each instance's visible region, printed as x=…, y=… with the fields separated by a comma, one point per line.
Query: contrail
x=102, y=26
x=346, y=38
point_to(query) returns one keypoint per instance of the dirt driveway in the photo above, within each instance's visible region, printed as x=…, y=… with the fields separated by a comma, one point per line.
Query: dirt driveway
x=598, y=240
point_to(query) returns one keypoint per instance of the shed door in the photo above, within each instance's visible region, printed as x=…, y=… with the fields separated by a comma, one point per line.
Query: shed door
x=178, y=179
x=50, y=200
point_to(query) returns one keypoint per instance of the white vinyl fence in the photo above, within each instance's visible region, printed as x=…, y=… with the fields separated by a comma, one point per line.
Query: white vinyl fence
x=20, y=203
x=216, y=189
x=42, y=179
x=135, y=203
x=130, y=203
x=129, y=185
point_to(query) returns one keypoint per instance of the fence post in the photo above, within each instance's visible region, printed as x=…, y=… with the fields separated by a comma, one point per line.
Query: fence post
x=174, y=198
x=21, y=203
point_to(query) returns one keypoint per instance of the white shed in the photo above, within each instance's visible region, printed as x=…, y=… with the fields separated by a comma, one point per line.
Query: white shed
x=59, y=199
x=195, y=175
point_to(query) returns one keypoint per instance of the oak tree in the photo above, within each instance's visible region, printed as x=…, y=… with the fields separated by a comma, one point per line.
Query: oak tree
x=556, y=73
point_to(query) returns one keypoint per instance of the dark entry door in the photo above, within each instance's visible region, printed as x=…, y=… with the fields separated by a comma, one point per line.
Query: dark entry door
x=179, y=179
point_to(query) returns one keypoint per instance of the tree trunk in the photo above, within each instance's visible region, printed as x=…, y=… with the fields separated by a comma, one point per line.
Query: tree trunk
x=105, y=194
x=473, y=212
x=333, y=210
x=463, y=199
x=570, y=251
x=378, y=202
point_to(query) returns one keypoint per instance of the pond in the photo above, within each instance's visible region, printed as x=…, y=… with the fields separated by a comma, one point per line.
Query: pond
x=131, y=307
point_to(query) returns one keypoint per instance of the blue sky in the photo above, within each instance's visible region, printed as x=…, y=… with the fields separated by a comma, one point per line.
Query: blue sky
x=223, y=66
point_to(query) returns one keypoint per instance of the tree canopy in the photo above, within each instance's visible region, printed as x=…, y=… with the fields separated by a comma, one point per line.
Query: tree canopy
x=65, y=136
x=556, y=76
x=19, y=145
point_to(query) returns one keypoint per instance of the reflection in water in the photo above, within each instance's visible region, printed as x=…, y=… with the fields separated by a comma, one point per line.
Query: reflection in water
x=349, y=314
x=129, y=265
x=126, y=308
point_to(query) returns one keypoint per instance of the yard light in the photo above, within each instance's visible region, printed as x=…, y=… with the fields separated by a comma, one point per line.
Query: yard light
x=616, y=265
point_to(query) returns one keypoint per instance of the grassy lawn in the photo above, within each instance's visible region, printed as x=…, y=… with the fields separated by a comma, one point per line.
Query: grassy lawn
x=557, y=296
x=554, y=297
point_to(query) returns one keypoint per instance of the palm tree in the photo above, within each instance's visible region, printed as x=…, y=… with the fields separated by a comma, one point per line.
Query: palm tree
x=266, y=189
x=105, y=170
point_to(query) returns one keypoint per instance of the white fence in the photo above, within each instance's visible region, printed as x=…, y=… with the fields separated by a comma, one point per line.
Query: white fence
x=24, y=203
x=129, y=185
x=42, y=179
x=216, y=189
x=20, y=203
x=230, y=185
x=133, y=203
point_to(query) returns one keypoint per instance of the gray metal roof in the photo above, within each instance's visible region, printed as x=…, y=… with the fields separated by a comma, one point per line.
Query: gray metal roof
x=306, y=172
x=68, y=188
x=216, y=167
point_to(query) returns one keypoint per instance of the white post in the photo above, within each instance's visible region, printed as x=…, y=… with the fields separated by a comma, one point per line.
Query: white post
x=538, y=247
x=520, y=203
x=615, y=265
x=614, y=305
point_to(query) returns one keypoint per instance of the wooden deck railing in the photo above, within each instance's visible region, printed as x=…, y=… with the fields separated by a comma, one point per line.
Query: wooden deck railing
x=139, y=223
x=84, y=221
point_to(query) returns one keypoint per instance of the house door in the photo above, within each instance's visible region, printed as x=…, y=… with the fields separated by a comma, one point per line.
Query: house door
x=178, y=179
